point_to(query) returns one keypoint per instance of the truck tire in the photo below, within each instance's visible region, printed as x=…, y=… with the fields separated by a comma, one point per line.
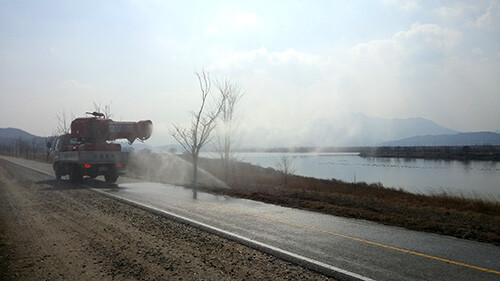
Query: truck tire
x=75, y=175
x=57, y=170
x=111, y=176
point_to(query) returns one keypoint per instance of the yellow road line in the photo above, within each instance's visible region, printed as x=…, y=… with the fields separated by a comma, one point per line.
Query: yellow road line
x=355, y=239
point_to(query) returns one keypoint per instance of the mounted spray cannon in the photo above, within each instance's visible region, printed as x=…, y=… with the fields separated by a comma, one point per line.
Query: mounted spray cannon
x=98, y=129
x=89, y=151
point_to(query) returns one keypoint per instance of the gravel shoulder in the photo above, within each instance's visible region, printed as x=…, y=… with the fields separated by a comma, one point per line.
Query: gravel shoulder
x=53, y=230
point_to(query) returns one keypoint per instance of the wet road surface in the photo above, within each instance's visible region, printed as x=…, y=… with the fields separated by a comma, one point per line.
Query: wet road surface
x=368, y=249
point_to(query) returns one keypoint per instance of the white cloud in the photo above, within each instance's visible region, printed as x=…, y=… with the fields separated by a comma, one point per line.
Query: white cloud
x=420, y=40
x=451, y=12
x=490, y=18
x=375, y=77
x=391, y=77
x=477, y=52
x=410, y=5
x=429, y=35
x=407, y=5
x=263, y=56
x=232, y=22
x=283, y=87
x=211, y=30
x=73, y=85
x=237, y=59
x=241, y=20
x=295, y=56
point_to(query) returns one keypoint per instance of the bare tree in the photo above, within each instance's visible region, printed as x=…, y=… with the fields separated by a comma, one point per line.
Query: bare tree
x=5, y=149
x=285, y=167
x=225, y=142
x=22, y=147
x=34, y=147
x=63, y=125
x=48, y=146
x=203, y=122
x=13, y=145
x=106, y=109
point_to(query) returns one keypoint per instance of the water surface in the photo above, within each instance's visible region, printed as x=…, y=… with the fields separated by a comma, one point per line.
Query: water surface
x=467, y=178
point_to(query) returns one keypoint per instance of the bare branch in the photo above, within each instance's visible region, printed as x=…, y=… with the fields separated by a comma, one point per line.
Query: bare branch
x=62, y=123
x=203, y=122
x=106, y=109
x=285, y=167
x=231, y=93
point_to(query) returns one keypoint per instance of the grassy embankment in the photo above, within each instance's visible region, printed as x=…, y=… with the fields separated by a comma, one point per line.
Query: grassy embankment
x=461, y=217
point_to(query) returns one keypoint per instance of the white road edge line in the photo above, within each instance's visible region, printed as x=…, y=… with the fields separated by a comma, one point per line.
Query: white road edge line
x=312, y=264
x=315, y=265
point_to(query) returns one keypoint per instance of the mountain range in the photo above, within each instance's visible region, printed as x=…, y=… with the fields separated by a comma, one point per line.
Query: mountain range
x=14, y=133
x=355, y=129
x=17, y=139
x=8, y=135
x=460, y=139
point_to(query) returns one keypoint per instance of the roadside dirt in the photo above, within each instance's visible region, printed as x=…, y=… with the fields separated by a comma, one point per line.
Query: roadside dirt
x=53, y=230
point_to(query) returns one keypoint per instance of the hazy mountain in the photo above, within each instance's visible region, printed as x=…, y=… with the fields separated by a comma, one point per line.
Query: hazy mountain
x=351, y=129
x=13, y=137
x=360, y=130
x=10, y=135
x=13, y=133
x=478, y=138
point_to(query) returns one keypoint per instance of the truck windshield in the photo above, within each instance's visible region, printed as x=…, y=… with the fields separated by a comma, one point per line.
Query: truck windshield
x=76, y=140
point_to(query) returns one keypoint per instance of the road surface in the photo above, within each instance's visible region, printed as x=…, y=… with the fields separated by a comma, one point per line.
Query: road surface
x=55, y=230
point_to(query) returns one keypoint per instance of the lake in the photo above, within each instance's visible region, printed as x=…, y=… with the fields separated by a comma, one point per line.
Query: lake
x=479, y=179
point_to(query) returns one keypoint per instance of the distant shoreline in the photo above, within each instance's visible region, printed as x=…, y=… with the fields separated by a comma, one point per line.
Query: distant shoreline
x=462, y=153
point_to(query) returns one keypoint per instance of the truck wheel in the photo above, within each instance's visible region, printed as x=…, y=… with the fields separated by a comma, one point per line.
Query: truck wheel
x=58, y=175
x=111, y=176
x=75, y=175
x=57, y=171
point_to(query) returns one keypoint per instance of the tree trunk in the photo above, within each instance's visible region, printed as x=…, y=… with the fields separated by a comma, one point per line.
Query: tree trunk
x=226, y=171
x=195, y=170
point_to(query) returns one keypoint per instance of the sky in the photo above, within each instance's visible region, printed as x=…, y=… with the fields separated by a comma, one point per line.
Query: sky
x=296, y=61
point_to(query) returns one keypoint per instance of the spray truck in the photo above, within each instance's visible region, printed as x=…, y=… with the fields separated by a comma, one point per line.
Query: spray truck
x=89, y=148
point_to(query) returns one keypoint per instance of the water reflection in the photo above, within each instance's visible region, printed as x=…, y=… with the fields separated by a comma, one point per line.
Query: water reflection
x=466, y=166
x=414, y=175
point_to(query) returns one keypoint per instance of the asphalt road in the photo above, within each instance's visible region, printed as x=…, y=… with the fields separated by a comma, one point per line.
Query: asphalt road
x=357, y=248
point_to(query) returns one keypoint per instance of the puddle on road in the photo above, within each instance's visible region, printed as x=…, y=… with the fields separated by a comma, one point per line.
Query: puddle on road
x=159, y=189
x=158, y=194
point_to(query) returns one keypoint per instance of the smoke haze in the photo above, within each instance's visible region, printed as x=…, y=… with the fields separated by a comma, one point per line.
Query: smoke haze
x=168, y=168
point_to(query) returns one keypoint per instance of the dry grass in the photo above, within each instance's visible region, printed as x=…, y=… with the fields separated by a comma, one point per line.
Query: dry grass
x=461, y=217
